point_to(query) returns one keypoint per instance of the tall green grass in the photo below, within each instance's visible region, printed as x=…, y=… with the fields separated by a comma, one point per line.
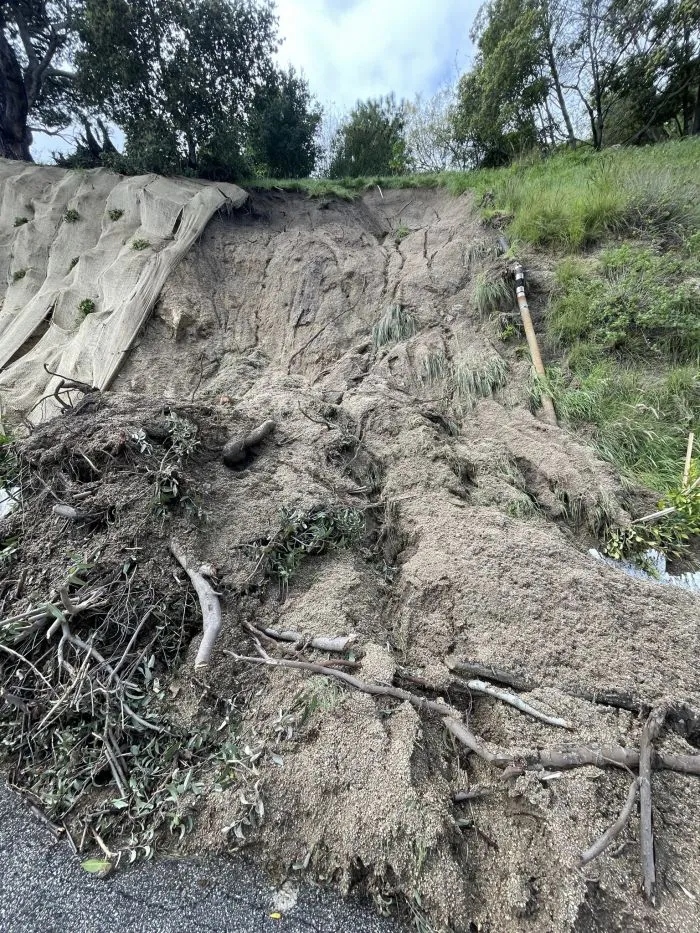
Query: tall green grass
x=639, y=420
x=568, y=200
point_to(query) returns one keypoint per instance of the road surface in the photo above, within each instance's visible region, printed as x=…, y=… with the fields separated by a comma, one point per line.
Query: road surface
x=43, y=889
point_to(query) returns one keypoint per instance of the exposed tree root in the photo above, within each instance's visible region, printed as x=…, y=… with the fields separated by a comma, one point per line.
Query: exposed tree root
x=517, y=680
x=601, y=844
x=480, y=686
x=238, y=449
x=208, y=600
x=651, y=730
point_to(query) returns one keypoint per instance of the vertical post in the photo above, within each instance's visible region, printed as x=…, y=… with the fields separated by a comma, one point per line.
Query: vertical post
x=547, y=404
x=688, y=459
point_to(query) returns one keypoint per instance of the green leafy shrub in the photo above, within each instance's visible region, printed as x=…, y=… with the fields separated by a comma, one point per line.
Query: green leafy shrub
x=139, y=244
x=74, y=262
x=20, y=221
x=671, y=534
x=401, y=232
x=19, y=274
x=303, y=533
x=115, y=213
x=71, y=216
x=86, y=306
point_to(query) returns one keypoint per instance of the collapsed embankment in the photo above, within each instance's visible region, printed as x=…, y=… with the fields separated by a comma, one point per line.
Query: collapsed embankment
x=403, y=433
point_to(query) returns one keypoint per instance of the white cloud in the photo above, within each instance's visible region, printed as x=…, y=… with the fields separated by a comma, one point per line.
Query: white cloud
x=364, y=48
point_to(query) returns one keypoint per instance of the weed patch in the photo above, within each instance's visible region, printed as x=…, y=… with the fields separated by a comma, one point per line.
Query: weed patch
x=395, y=325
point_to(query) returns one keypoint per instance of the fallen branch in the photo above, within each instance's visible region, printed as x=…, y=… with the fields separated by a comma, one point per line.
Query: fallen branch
x=601, y=844
x=208, y=600
x=519, y=681
x=419, y=702
x=650, y=732
x=480, y=686
x=331, y=643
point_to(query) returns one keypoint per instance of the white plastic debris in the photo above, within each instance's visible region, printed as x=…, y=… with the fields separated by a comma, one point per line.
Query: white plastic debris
x=657, y=562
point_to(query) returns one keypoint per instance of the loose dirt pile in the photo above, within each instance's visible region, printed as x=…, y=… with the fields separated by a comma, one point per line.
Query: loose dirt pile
x=406, y=496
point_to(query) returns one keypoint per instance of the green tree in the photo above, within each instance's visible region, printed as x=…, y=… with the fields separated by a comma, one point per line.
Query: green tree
x=282, y=127
x=371, y=141
x=179, y=76
x=36, y=89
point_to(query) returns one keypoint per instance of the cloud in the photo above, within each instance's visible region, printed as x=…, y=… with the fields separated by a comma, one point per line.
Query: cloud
x=364, y=48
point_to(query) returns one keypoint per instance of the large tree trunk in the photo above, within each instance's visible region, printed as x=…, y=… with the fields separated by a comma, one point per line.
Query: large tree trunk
x=15, y=138
x=560, y=95
x=696, y=116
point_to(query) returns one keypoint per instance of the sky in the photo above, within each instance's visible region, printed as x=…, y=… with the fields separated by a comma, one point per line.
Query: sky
x=354, y=49
x=350, y=50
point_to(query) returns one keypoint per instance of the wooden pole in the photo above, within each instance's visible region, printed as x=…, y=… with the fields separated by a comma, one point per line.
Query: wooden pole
x=688, y=459
x=547, y=404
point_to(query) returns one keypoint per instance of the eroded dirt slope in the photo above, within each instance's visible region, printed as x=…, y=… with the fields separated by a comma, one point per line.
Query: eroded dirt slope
x=478, y=518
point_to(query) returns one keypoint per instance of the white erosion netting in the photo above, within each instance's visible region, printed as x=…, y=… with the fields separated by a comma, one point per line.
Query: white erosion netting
x=83, y=257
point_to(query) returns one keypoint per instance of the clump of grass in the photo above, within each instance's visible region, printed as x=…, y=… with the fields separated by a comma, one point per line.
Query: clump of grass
x=394, y=325
x=436, y=367
x=307, y=532
x=86, y=306
x=401, y=233
x=473, y=381
x=640, y=420
x=115, y=213
x=74, y=262
x=139, y=244
x=19, y=274
x=492, y=291
x=20, y=221
x=71, y=216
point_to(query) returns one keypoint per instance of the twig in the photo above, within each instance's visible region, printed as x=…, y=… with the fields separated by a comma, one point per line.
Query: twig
x=601, y=844
x=651, y=729
x=462, y=796
x=21, y=657
x=441, y=709
x=208, y=600
x=480, y=686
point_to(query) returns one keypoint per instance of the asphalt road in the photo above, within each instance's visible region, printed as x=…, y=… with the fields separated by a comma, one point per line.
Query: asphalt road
x=43, y=889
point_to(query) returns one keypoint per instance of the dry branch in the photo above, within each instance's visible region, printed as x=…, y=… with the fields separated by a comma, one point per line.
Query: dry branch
x=650, y=732
x=208, y=600
x=519, y=681
x=564, y=759
x=601, y=844
x=332, y=643
x=419, y=702
x=480, y=686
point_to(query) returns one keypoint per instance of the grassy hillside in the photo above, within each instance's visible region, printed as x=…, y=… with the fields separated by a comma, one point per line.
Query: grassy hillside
x=622, y=229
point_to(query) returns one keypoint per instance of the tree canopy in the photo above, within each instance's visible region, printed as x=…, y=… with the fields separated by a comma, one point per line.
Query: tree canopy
x=370, y=141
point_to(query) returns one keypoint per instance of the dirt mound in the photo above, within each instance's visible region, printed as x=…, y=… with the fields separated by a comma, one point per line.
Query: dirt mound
x=407, y=497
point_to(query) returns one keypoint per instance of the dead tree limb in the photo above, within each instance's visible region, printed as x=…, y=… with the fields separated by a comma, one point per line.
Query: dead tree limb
x=650, y=732
x=332, y=643
x=565, y=759
x=519, y=681
x=601, y=844
x=480, y=686
x=209, y=602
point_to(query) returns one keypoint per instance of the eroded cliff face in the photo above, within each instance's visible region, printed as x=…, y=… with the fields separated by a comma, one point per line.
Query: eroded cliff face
x=352, y=326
